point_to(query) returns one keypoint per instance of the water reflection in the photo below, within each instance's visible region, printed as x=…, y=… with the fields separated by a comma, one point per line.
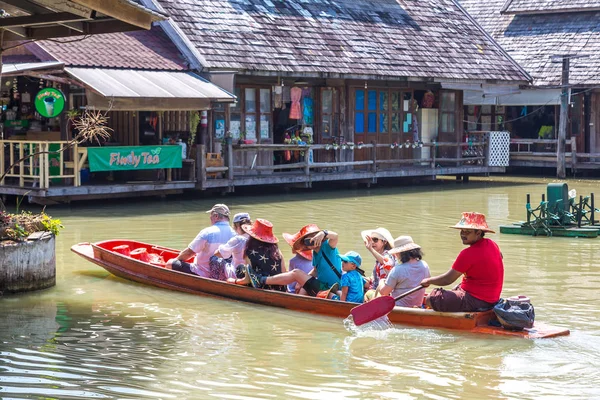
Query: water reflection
x=98, y=336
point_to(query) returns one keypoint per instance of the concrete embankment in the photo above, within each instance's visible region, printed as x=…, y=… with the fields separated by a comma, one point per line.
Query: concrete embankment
x=28, y=265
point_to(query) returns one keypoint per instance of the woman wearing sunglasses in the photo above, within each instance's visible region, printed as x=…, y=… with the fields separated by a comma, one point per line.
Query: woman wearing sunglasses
x=378, y=241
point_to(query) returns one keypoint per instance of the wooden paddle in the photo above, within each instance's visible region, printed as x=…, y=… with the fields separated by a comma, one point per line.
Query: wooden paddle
x=377, y=308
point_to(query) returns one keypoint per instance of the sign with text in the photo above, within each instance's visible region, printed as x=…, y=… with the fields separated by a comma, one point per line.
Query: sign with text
x=120, y=158
x=49, y=102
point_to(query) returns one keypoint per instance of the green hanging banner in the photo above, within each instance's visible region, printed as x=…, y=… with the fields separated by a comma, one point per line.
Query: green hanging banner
x=121, y=158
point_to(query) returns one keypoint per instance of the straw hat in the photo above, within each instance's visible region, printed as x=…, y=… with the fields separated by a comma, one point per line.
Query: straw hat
x=220, y=209
x=261, y=230
x=379, y=233
x=402, y=244
x=473, y=220
x=291, y=239
x=305, y=231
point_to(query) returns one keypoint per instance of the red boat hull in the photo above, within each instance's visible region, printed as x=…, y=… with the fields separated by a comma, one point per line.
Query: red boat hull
x=121, y=265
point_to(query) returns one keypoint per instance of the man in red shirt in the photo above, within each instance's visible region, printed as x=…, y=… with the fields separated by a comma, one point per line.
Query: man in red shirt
x=481, y=266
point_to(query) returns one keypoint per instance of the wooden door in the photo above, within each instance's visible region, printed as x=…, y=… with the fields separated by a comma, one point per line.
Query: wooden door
x=448, y=121
x=383, y=116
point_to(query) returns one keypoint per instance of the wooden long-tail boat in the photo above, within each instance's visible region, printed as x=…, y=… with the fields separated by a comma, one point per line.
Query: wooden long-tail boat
x=117, y=257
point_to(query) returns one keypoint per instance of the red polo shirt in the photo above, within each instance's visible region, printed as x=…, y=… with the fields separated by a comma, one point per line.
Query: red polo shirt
x=483, y=270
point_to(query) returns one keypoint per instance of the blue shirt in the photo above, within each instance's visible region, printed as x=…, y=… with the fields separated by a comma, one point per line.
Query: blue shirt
x=324, y=272
x=356, y=286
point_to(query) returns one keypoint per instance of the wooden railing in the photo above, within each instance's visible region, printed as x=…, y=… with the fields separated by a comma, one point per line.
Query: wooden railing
x=35, y=169
x=230, y=170
x=542, y=150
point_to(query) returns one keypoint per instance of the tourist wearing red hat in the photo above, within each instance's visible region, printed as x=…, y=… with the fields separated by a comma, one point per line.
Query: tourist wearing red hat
x=480, y=265
x=262, y=251
x=326, y=261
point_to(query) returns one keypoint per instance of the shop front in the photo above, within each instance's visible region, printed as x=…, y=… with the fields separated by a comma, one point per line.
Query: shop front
x=152, y=115
x=339, y=114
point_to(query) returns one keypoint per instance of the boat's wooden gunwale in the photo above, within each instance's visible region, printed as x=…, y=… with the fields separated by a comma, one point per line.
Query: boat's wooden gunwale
x=129, y=268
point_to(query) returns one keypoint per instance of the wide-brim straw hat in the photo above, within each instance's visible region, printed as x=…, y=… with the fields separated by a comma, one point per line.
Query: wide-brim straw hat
x=292, y=238
x=261, y=230
x=379, y=233
x=402, y=244
x=221, y=209
x=473, y=220
x=296, y=240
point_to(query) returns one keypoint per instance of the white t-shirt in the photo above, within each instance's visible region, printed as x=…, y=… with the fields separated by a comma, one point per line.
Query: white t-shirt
x=235, y=247
x=206, y=243
x=406, y=276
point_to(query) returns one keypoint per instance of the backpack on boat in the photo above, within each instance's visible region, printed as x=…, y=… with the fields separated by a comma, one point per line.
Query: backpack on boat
x=515, y=313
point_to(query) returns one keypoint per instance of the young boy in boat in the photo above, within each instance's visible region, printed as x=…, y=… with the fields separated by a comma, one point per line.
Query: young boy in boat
x=327, y=265
x=205, y=244
x=352, y=282
x=480, y=265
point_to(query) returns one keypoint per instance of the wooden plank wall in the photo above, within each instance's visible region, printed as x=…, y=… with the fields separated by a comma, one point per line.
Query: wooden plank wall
x=125, y=127
x=176, y=121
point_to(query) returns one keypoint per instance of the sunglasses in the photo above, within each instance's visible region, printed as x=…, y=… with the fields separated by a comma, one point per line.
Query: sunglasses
x=375, y=240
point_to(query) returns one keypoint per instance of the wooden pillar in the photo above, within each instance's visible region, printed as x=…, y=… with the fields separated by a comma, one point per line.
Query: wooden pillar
x=562, y=123
x=230, y=163
x=201, y=165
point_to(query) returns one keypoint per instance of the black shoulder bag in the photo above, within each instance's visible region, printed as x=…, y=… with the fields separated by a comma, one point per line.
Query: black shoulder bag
x=332, y=267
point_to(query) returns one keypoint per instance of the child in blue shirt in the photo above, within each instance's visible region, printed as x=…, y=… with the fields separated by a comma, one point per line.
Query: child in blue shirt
x=353, y=284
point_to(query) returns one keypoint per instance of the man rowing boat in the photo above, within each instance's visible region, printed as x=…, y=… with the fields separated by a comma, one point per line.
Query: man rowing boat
x=481, y=266
x=326, y=261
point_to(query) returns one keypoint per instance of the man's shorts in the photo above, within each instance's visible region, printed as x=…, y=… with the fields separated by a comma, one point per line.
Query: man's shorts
x=456, y=301
x=314, y=286
x=182, y=266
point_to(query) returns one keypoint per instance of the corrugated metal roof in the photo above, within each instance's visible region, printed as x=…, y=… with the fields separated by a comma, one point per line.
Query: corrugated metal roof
x=149, y=84
x=10, y=69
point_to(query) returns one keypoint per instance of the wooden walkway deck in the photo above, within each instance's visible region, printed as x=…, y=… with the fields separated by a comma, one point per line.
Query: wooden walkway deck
x=252, y=165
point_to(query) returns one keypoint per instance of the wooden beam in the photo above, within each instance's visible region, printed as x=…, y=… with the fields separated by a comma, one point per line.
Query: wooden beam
x=89, y=28
x=121, y=10
x=39, y=19
x=53, y=78
x=22, y=32
x=28, y=6
x=66, y=6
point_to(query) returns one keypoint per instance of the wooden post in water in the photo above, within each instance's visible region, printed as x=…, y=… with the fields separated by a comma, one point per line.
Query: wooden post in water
x=562, y=122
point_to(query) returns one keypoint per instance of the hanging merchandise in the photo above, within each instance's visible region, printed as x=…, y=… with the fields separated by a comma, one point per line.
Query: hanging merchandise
x=428, y=99
x=296, y=95
x=307, y=111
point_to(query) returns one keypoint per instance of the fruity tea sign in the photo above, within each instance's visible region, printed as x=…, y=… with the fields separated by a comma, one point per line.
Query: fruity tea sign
x=121, y=158
x=49, y=102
